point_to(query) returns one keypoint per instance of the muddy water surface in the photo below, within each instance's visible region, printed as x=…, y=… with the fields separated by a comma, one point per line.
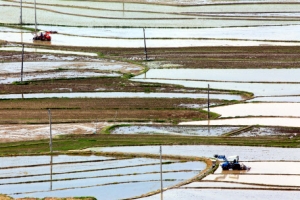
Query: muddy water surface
x=259, y=89
x=245, y=153
x=14, y=67
x=228, y=75
x=174, y=130
x=266, y=121
x=259, y=109
x=118, y=95
x=273, y=33
x=90, y=176
x=41, y=50
x=295, y=99
x=276, y=168
x=66, y=40
x=224, y=185
x=8, y=79
x=212, y=194
x=277, y=180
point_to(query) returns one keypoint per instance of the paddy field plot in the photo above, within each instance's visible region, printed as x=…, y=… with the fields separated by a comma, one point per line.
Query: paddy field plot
x=173, y=130
x=98, y=176
x=249, y=121
x=174, y=24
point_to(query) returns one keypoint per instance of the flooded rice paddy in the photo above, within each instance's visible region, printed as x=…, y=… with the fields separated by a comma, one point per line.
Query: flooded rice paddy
x=117, y=95
x=226, y=75
x=261, y=109
x=247, y=121
x=269, y=168
x=207, y=23
x=246, y=153
x=8, y=79
x=41, y=50
x=68, y=40
x=295, y=99
x=261, y=82
x=206, y=130
x=14, y=67
x=25, y=132
x=211, y=194
x=173, y=130
x=269, y=85
x=268, y=131
x=56, y=70
x=258, y=89
x=273, y=171
x=119, y=24
x=260, y=33
x=98, y=176
x=142, y=15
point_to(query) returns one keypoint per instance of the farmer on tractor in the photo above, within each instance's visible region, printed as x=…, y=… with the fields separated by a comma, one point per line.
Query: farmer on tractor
x=43, y=35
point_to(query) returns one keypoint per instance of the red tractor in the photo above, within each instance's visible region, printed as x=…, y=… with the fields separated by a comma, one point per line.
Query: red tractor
x=43, y=35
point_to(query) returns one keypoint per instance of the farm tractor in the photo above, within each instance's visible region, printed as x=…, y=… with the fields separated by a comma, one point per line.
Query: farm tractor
x=232, y=162
x=43, y=35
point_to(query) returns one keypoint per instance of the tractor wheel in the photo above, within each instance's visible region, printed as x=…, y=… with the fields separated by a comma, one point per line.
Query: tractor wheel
x=236, y=167
x=225, y=168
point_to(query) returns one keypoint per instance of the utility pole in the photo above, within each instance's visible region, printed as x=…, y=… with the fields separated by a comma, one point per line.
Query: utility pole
x=96, y=126
x=50, y=144
x=51, y=161
x=21, y=12
x=35, y=15
x=208, y=102
x=161, y=181
x=116, y=116
x=145, y=51
x=22, y=63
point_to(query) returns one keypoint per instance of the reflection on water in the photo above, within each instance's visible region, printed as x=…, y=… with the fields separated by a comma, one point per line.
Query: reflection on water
x=98, y=178
x=174, y=130
x=274, y=33
x=40, y=50
x=279, y=180
x=259, y=109
x=54, y=75
x=14, y=67
x=119, y=95
x=229, y=75
x=258, y=89
x=295, y=99
x=266, y=121
x=249, y=153
x=244, y=194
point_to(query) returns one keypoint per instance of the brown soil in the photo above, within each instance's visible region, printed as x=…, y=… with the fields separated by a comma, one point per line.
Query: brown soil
x=92, y=85
x=190, y=57
x=87, y=110
x=5, y=197
x=216, y=57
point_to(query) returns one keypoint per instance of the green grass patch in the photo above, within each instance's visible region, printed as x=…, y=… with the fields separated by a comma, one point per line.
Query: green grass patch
x=74, y=142
x=108, y=129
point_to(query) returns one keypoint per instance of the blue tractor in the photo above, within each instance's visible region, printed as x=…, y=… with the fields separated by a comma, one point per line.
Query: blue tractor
x=232, y=162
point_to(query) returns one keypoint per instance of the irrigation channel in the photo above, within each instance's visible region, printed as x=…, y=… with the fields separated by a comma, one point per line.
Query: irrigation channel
x=98, y=176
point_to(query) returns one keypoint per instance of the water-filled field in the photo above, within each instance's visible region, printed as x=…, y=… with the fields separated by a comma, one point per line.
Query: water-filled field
x=98, y=176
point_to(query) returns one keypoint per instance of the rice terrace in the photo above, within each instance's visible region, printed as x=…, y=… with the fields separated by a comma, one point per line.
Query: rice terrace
x=149, y=99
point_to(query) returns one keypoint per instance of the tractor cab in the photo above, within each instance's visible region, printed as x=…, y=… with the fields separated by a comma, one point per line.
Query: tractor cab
x=233, y=159
x=232, y=162
x=43, y=36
